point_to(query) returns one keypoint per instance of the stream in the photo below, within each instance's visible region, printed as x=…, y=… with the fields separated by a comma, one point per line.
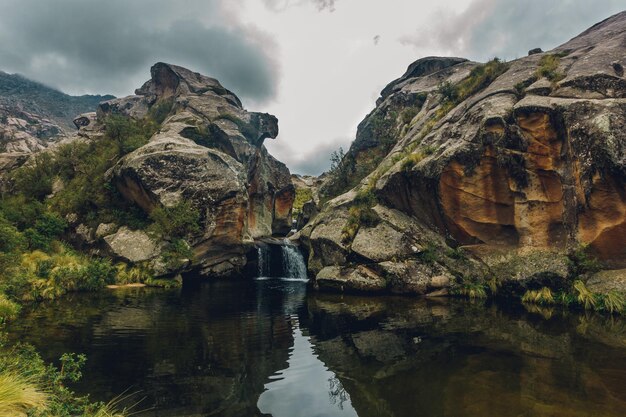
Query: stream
x=273, y=347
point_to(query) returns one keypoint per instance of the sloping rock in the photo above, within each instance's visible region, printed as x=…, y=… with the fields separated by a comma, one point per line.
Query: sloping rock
x=522, y=164
x=208, y=152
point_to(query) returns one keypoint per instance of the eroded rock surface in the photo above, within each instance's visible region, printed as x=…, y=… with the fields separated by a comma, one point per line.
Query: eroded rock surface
x=532, y=161
x=209, y=152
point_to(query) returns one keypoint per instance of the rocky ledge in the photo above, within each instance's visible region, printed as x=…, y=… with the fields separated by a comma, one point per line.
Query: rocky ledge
x=466, y=171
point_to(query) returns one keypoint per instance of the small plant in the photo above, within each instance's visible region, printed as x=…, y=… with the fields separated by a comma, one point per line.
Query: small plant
x=548, y=68
x=303, y=195
x=411, y=160
x=472, y=291
x=585, y=298
x=614, y=302
x=176, y=222
x=542, y=296
x=429, y=255
x=20, y=394
x=8, y=309
x=448, y=91
x=580, y=262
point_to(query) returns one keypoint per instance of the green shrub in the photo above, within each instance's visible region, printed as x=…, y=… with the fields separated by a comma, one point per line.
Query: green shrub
x=8, y=309
x=580, y=262
x=429, y=255
x=548, y=67
x=178, y=221
x=471, y=290
x=35, y=178
x=303, y=195
x=177, y=254
x=448, y=91
x=160, y=110
x=411, y=160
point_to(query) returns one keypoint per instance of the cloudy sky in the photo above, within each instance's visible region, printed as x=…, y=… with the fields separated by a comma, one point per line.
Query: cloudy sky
x=318, y=65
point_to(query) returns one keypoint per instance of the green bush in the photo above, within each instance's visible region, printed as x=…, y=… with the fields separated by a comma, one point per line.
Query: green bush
x=178, y=221
x=581, y=262
x=303, y=195
x=177, y=254
x=29, y=385
x=8, y=309
x=548, y=67
x=35, y=178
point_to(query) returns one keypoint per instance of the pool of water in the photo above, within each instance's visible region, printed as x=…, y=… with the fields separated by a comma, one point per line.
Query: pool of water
x=273, y=348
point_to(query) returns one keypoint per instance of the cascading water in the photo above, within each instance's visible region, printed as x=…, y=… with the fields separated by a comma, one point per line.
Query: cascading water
x=263, y=261
x=293, y=261
x=280, y=260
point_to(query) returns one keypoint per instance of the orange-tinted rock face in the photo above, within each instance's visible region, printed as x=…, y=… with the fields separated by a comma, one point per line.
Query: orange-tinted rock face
x=603, y=223
x=537, y=202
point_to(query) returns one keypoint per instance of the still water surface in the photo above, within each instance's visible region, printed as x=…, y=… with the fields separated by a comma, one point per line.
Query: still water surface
x=272, y=348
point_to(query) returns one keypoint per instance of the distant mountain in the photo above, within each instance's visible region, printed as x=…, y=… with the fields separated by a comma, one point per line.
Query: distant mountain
x=34, y=116
x=32, y=97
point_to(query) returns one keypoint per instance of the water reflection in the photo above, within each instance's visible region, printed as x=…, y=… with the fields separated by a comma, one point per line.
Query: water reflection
x=306, y=387
x=260, y=348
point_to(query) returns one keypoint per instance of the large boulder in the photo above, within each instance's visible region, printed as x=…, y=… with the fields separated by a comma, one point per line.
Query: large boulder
x=528, y=158
x=208, y=152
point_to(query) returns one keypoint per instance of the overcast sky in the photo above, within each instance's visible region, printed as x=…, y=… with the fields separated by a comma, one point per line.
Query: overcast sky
x=318, y=65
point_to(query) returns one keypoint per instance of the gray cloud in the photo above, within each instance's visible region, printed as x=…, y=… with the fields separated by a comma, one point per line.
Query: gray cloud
x=316, y=161
x=280, y=5
x=509, y=28
x=108, y=46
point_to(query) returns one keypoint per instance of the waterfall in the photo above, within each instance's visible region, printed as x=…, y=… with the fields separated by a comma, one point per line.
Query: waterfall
x=263, y=261
x=280, y=260
x=293, y=262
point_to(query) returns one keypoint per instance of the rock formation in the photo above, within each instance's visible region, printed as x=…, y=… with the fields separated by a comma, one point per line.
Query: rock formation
x=209, y=152
x=505, y=160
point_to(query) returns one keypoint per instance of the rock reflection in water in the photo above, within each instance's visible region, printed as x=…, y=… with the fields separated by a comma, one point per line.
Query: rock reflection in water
x=260, y=348
x=401, y=357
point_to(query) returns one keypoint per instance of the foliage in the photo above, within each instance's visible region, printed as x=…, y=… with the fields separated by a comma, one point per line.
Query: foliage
x=548, y=67
x=126, y=274
x=80, y=167
x=160, y=110
x=8, y=309
x=429, y=255
x=541, y=296
x=585, y=298
x=20, y=394
x=614, y=302
x=28, y=384
x=408, y=114
x=480, y=77
x=411, y=160
x=35, y=178
x=177, y=254
x=360, y=214
x=177, y=221
x=580, y=262
x=303, y=195
x=43, y=276
x=471, y=291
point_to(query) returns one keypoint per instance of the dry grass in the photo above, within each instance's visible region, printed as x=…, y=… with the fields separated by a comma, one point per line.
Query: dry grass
x=19, y=395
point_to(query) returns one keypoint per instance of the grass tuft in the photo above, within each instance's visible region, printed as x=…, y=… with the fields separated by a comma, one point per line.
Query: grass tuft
x=19, y=395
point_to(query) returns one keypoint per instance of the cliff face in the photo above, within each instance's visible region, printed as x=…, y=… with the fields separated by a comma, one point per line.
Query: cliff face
x=208, y=152
x=509, y=158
